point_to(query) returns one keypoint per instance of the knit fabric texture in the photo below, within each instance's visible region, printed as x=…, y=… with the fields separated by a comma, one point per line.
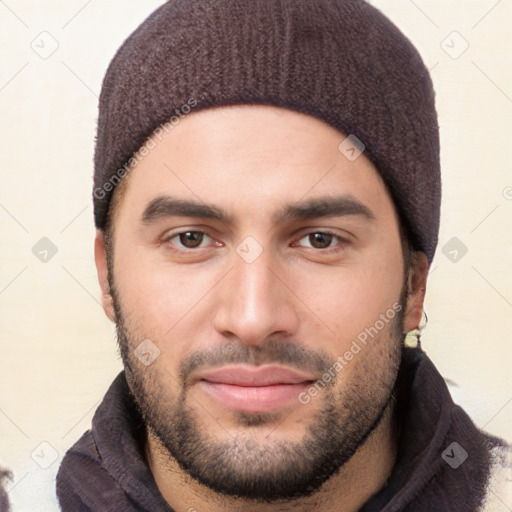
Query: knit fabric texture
x=341, y=61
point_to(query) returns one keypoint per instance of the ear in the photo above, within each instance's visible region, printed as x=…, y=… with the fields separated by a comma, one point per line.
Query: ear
x=100, y=257
x=417, y=285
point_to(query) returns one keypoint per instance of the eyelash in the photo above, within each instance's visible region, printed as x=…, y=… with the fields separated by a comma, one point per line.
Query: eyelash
x=342, y=241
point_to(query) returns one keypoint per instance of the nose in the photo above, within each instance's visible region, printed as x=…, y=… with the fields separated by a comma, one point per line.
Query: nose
x=255, y=302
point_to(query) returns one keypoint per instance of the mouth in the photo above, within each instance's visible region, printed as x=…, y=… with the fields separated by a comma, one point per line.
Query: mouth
x=254, y=389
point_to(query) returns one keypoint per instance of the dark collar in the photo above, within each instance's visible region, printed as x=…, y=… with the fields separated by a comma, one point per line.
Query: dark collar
x=119, y=434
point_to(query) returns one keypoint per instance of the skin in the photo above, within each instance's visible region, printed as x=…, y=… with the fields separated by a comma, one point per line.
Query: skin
x=250, y=161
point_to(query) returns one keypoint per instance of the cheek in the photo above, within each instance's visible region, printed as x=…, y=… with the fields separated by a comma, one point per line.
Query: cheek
x=352, y=299
x=158, y=298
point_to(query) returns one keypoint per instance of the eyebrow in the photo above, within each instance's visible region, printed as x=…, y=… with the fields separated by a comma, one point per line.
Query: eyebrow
x=167, y=206
x=339, y=206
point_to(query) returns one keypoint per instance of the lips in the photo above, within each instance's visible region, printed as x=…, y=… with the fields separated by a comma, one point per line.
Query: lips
x=254, y=389
x=246, y=375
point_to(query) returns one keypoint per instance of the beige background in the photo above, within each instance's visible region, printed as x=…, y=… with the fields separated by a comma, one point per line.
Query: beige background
x=58, y=351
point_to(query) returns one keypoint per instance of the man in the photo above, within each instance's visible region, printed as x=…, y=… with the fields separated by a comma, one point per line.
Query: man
x=267, y=198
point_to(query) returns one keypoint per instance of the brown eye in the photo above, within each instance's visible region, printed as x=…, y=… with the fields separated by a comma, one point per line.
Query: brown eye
x=320, y=240
x=324, y=242
x=188, y=239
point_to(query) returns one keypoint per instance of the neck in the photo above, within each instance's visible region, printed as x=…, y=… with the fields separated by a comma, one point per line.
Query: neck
x=359, y=479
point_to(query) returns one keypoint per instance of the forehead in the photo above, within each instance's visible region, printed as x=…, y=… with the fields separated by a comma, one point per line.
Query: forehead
x=251, y=158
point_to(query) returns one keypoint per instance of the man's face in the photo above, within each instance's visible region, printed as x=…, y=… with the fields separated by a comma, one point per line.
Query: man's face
x=243, y=316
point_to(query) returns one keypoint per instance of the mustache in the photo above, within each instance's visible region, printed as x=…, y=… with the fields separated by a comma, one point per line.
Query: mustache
x=284, y=353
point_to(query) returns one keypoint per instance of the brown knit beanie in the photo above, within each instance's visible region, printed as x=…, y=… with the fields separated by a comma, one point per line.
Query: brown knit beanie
x=339, y=60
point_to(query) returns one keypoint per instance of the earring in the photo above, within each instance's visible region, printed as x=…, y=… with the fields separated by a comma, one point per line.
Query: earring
x=413, y=338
